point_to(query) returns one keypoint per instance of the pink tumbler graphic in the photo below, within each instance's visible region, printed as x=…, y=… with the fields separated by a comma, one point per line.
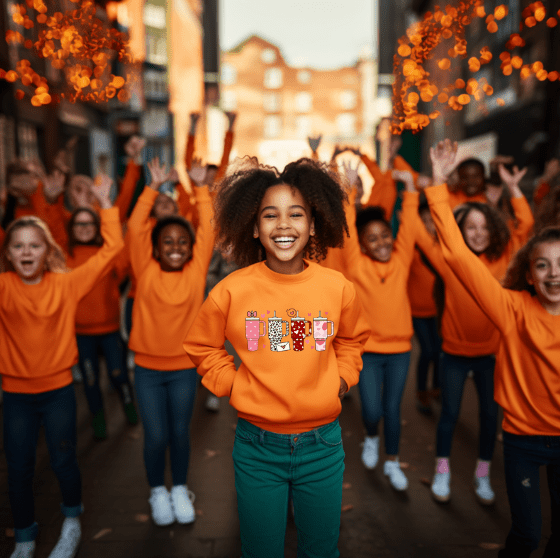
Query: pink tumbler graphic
x=321, y=332
x=253, y=330
x=278, y=328
x=298, y=329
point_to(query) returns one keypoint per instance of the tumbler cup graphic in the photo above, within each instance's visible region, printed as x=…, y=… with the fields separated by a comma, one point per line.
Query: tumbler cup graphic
x=276, y=327
x=253, y=330
x=298, y=327
x=321, y=332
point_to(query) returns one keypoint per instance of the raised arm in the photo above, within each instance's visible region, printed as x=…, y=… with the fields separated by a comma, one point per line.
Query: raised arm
x=228, y=145
x=406, y=237
x=133, y=149
x=191, y=139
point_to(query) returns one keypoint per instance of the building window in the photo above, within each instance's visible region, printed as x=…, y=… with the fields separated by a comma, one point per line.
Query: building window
x=268, y=56
x=272, y=126
x=303, y=76
x=156, y=49
x=346, y=124
x=271, y=102
x=348, y=99
x=304, y=102
x=228, y=100
x=154, y=16
x=303, y=126
x=228, y=74
x=28, y=147
x=273, y=78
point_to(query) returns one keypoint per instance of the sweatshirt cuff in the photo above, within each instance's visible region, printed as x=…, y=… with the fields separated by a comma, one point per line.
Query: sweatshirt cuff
x=149, y=194
x=411, y=198
x=225, y=384
x=110, y=214
x=437, y=194
x=202, y=194
x=350, y=377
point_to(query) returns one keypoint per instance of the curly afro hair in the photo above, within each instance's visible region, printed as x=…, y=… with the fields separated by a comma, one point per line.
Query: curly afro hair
x=370, y=214
x=239, y=197
x=171, y=220
x=497, y=226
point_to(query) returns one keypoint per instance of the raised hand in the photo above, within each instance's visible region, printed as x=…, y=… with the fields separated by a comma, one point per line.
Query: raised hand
x=158, y=173
x=314, y=142
x=405, y=177
x=423, y=181
x=133, y=148
x=351, y=173
x=101, y=189
x=443, y=160
x=512, y=179
x=197, y=173
x=231, y=116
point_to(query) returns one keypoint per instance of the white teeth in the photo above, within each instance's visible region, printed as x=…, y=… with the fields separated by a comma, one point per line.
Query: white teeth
x=284, y=239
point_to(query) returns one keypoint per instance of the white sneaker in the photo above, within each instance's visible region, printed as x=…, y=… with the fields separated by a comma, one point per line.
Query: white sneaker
x=441, y=490
x=397, y=478
x=212, y=403
x=69, y=539
x=162, y=510
x=181, y=501
x=370, y=453
x=24, y=550
x=483, y=490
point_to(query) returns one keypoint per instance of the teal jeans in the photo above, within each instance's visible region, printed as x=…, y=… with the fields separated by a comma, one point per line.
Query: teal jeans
x=268, y=467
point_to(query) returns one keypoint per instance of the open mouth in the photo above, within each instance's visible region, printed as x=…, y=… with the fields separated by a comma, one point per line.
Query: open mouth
x=284, y=241
x=175, y=257
x=553, y=286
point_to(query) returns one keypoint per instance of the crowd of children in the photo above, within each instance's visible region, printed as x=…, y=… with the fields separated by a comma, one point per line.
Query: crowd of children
x=314, y=292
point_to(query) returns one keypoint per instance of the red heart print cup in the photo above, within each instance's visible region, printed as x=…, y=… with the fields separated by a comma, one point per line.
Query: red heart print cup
x=253, y=330
x=298, y=329
x=321, y=327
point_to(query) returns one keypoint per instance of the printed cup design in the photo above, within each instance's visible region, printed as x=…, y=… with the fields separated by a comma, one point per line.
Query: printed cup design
x=278, y=328
x=321, y=331
x=298, y=329
x=253, y=330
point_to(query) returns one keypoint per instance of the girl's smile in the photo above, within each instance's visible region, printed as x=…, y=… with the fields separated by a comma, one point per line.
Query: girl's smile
x=544, y=275
x=174, y=247
x=377, y=241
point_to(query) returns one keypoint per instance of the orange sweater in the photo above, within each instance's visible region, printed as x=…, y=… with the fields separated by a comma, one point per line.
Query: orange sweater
x=527, y=376
x=99, y=311
x=228, y=144
x=421, y=289
x=458, y=197
x=382, y=287
x=384, y=190
x=36, y=204
x=37, y=322
x=284, y=390
x=166, y=302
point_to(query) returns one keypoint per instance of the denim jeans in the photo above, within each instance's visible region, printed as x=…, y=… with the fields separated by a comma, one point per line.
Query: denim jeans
x=523, y=456
x=381, y=386
x=268, y=467
x=166, y=402
x=24, y=413
x=426, y=330
x=113, y=350
x=453, y=374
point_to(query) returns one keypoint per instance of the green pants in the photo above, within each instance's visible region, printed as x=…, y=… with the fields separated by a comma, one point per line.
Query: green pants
x=267, y=466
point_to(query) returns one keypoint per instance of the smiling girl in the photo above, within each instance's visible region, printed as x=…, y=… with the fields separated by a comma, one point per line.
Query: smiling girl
x=526, y=311
x=38, y=302
x=299, y=331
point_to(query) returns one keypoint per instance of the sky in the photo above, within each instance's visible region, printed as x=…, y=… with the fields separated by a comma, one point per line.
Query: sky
x=322, y=34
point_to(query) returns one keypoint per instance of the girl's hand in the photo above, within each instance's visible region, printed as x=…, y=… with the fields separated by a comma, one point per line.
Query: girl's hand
x=198, y=172
x=343, y=388
x=405, y=177
x=443, y=160
x=314, y=142
x=351, y=173
x=512, y=179
x=101, y=189
x=158, y=174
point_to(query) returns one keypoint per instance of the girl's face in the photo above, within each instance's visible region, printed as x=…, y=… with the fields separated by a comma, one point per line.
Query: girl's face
x=284, y=225
x=27, y=251
x=376, y=241
x=174, y=247
x=475, y=231
x=471, y=180
x=544, y=275
x=84, y=228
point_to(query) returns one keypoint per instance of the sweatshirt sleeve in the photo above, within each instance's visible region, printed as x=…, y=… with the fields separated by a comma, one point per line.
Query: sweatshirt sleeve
x=205, y=345
x=86, y=275
x=347, y=257
x=228, y=144
x=430, y=247
x=204, y=245
x=189, y=152
x=384, y=190
x=128, y=185
x=139, y=230
x=525, y=221
x=351, y=337
x=406, y=237
x=495, y=301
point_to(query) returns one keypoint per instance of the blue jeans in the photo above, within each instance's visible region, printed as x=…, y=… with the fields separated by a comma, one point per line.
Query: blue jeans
x=426, y=330
x=381, y=386
x=166, y=402
x=267, y=467
x=523, y=456
x=24, y=413
x=453, y=374
x=113, y=350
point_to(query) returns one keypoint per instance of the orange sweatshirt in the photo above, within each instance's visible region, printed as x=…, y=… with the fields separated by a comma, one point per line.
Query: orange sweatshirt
x=421, y=283
x=384, y=190
x=37, y=322
x=228, y=144
x=99, y=311
x=36, y=204
x=458, y=197
x=296, y=335
x=527, y=376
x=382, y=286
x=166, y=302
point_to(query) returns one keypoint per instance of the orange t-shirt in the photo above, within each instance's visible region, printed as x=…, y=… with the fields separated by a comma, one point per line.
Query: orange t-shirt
x=527, y=375
x=296, y=335
x=37, y=322
x=166, y=302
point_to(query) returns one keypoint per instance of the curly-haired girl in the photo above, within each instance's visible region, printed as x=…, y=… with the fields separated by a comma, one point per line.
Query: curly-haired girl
x=287, y=389
x=526, y=311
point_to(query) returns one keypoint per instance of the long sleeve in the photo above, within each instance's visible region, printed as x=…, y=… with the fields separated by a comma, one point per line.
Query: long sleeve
x=490, y=296
x=406, y=237
x=525, y=221
x=189, y=152
x=139, y=231
x=57, y=217
x=204, y=245
x=128, y=185
x=384, y=190
x=86, y=275
x=228, y=144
